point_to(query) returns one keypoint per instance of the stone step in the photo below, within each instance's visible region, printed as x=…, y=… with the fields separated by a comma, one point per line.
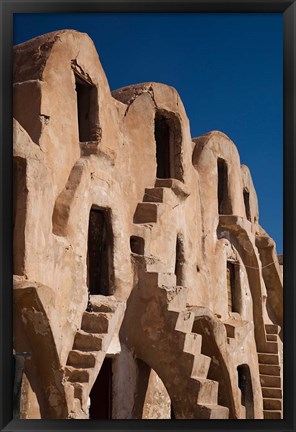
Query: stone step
x=208, y=392
x=154, y=195
x=146, y=213
x=266, y=358
x=272, y=393
x=270, y=381
x=185, y=321
x=212, y=412
x=96, y=322
x=102, y=303
x=77, y=375
x=268, y=369
x=271, y=337
x=81, y=393
x=81, y=359
x=193, y=343
x=161, y=279
x=88, y=341
x=271, y=348
x=200, y=366
x=272, y=414
x=272, y=329
x=272, y=404
x=230, y=330
x=177, y=297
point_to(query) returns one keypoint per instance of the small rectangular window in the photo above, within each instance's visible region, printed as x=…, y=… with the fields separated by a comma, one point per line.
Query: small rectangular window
x=86, y=108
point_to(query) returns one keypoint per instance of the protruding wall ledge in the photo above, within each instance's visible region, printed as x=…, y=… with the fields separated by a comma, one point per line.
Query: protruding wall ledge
x=177, y=186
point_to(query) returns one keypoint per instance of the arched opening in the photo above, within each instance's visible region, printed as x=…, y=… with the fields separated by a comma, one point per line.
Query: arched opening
x=101, y=393
x=168, y=137
x=247, y=203
x=179, y=261
x=224, y=205
x=245, y=385
x=86, y=94
x=100, y=253
x=152, y=400
x=218, y=370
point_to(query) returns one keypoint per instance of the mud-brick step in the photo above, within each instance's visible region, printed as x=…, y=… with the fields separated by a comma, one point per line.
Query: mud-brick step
x=93, y=322
x=271, y=337
x=88, y=341
x=272, y=329
x=266, y=358
x=269, y=369
x=154, y=195
x=272, y=414
x=270, y=381
x=272, y=393
x=212, y=412
x=193, y=343
x=184, y=321
x=77, y=375
x=81, y=359
x=272, y=404
x=200, y=366
x=208, y=392
x=146, y=213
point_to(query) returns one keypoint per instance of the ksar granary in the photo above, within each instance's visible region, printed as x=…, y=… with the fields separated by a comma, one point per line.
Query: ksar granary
x=144, y=286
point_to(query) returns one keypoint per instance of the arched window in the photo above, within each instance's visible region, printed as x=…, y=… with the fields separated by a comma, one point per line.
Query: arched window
x=224, y=205
x=87, y=107
x=168, y=138
x=247, y=203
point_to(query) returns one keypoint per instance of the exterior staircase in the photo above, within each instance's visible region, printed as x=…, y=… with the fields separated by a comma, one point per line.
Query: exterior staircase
x=175, y=342
x=270, y=376
x=90, y=345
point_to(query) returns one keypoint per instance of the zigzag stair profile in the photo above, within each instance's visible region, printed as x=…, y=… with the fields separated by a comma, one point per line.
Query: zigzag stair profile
x=89, y=348
x=270, y=375
x=186, y=346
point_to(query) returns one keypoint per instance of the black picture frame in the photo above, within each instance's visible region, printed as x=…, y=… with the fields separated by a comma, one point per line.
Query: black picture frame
x=7, y=9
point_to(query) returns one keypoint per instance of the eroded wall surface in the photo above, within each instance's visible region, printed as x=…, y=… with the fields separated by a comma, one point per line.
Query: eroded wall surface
x=136, y=243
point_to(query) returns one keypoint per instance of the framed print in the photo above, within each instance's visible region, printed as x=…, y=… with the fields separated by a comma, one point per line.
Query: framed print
x=147, y=151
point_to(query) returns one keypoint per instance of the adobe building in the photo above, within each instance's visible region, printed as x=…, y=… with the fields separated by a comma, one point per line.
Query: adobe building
x=144, y=286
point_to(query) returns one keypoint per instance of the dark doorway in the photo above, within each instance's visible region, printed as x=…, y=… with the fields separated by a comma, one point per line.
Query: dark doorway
x=86, y=107
x=99, y=253
x=247, y=204
x=179, y=262
x=245, y=385
x=223, y=198
x=101, y=393
x=163, y=150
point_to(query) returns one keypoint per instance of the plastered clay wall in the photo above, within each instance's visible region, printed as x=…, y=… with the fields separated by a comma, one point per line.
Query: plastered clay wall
x=139, y=260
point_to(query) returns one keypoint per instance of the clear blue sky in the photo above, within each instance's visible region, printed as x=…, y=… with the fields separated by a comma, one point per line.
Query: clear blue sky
x=227, y=69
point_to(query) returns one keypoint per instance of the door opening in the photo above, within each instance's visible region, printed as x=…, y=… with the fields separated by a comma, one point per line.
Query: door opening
x=99, y=253
x=101, y=393
x=245, y=385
